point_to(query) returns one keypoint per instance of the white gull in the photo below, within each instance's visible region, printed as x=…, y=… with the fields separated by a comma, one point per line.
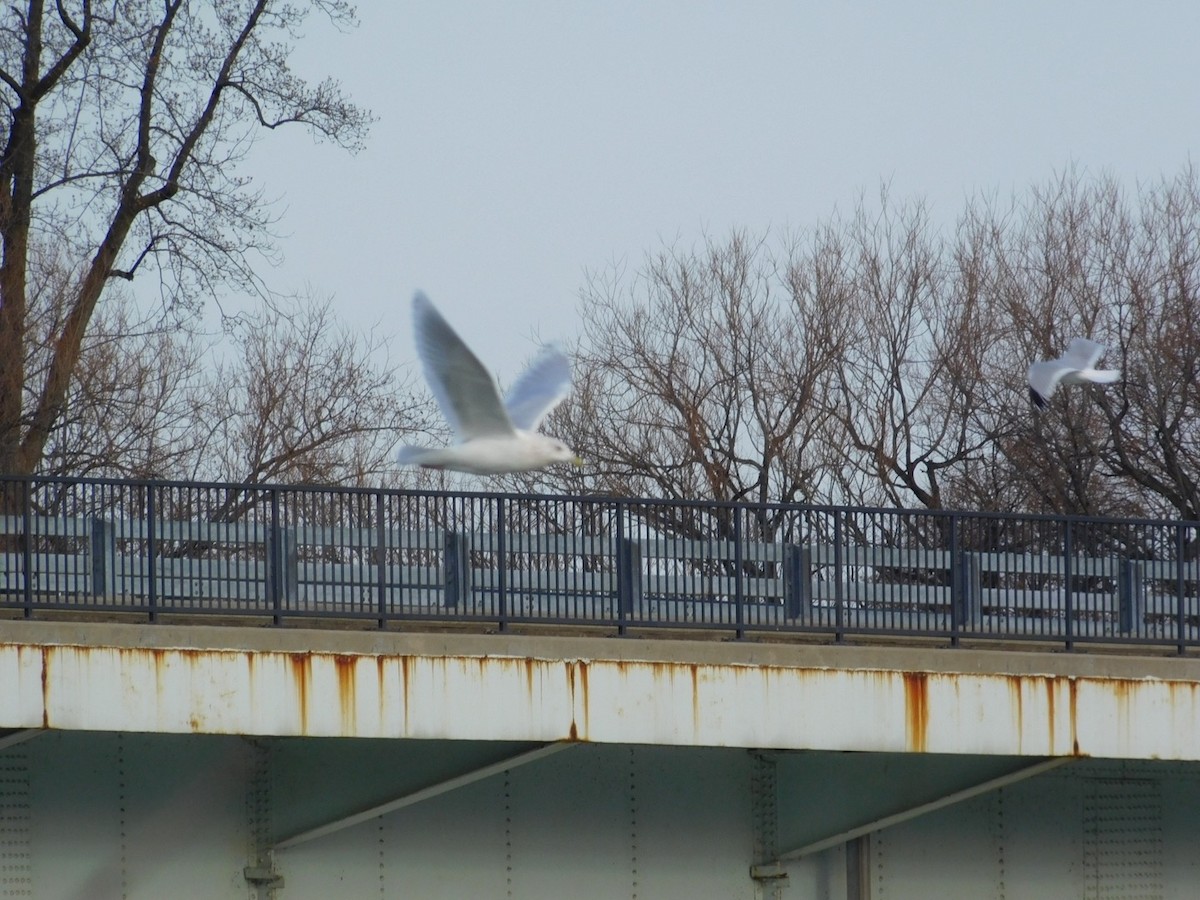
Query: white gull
x=1076, y=366
x=493, y=436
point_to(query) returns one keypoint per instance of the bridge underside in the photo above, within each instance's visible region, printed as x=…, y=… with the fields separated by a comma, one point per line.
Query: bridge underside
x=173, y=761
x=99, y=814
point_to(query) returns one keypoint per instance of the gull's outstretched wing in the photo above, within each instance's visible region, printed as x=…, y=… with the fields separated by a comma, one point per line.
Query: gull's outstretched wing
x=461, y=385
x=540, y=388
x=1043, y=379
x=1082, y=353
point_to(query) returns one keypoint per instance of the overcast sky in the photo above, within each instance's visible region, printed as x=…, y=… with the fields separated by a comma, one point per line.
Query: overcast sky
x=521, y=144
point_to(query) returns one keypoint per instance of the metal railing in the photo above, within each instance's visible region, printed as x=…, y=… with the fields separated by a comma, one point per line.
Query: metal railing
x=382, y=556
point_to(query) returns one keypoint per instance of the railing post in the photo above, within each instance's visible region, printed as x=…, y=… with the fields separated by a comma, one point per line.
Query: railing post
x=797, y=582
x=381, y=562
x=739, y=592
x=501, y=565
x=1180, y=609
x=619, y=566
x=839, y=591
x=456, y=570
x=27, y=544
x=1131, y=594
x=101, y=556
x=629, y=579
x=1068, y=585
x=970, y=591
x=283, y=565
x=957, y=584
x=151, y=553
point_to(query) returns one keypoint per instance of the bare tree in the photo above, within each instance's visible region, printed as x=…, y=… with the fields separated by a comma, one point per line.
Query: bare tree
x=126, y=127
x=135, y=407
x=1154, y=417
x=699, y=379
x=1070, y=258
x=303, y=400
x=910, y=372
x=880, y=363
x=288, y=395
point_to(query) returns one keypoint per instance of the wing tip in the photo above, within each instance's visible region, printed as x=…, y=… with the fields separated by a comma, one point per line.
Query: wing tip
x=1037, y=399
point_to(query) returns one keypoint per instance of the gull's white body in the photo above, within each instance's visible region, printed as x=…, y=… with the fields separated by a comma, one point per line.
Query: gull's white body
x=1076, y=366
x=524, y=451
x=494, y=436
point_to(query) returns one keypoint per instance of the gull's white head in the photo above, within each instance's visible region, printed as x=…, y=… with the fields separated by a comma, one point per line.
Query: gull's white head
x=558, y=452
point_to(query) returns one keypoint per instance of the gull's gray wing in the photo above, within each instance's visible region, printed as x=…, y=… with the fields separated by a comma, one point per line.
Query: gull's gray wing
x=460, y=384
x=540, y=388
x=1082, y=353
x=1043, y=379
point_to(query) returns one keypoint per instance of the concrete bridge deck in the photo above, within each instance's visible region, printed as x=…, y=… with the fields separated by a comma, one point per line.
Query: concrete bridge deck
x=497, y=687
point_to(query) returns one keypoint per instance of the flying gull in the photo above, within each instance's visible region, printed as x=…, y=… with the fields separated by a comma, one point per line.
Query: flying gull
x=494, y=436
x=1076, y=366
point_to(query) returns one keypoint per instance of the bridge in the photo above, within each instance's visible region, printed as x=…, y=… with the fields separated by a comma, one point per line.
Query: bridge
x=249, y=690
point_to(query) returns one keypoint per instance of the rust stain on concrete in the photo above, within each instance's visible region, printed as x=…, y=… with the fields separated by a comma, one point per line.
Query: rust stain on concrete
x=345, y=667
x=381, y=674
x=583, y=684
x=301, y=667
x=577, y=688
x=406, y=678
x=530, y=666
x=1016, y=691
x=916, y=710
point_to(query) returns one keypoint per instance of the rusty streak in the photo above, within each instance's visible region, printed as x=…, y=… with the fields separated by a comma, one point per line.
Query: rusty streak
x=345, y=665
x=916, y=709
x=301, y=666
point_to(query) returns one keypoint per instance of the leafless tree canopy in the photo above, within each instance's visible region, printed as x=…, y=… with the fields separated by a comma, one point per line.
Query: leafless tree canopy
x=880, y=361
x=288, y=395
x=127, y=122
x=696, y=392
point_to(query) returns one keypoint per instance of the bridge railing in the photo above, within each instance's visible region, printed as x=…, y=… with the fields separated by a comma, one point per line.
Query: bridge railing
x=283, y=552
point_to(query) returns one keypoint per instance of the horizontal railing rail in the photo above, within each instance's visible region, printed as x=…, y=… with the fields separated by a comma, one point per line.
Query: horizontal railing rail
x=384, y=556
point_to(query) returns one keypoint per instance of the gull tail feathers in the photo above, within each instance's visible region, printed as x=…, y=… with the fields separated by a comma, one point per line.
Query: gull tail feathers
x=1105, y=376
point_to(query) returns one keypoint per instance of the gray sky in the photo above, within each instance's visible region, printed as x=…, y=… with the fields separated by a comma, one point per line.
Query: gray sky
x=521, y=144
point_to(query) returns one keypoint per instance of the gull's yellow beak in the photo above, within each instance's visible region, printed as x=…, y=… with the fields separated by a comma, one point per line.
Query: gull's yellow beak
x=577, y=461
